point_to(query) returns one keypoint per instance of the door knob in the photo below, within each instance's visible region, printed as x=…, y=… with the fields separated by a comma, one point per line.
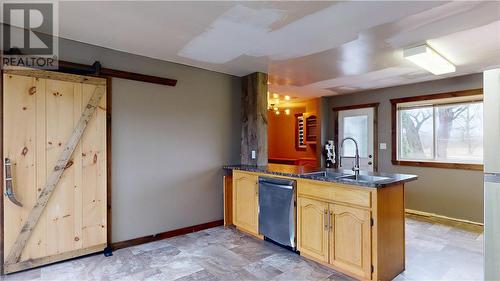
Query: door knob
x=370, y=163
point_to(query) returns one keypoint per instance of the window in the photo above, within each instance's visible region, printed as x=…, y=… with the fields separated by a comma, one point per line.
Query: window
x=443, y=130
x=356, y=128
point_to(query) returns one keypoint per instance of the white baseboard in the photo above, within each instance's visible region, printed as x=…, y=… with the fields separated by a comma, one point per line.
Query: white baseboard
x=425, y=214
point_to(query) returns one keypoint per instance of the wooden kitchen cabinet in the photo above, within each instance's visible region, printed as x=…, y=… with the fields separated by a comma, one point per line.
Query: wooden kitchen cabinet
x=312, y=230
x=334, y=226
x=245, y=202
x=361, y=234
x=335, y=234
x=350, y=239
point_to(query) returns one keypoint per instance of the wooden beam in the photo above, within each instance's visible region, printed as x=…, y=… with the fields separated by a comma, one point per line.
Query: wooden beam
x=464, y=93
x=84, y=69
x=56, y=76
x=254, y=119
x=53, y=179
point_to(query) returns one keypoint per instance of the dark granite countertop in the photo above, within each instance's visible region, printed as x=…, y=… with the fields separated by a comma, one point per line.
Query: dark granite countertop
x=372, y=179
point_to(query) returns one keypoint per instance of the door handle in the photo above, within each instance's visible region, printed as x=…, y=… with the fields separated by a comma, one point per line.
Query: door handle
x=326, y=219
x=370, y=163
x=9, y=187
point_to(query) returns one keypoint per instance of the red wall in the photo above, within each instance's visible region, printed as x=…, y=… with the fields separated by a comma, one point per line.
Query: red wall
x=281, y=136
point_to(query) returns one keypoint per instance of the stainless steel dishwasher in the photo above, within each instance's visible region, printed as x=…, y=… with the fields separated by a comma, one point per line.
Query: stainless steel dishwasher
x=277, y=210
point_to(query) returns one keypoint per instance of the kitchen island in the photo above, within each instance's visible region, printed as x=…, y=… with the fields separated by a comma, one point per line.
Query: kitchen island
x=352, y=224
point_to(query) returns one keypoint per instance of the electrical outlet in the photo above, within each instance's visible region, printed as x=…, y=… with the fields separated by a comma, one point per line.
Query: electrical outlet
x=254, y=155
x=383, y=145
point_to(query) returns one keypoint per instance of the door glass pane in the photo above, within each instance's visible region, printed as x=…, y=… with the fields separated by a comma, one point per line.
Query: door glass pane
x=356, y=127
x=459, y=132
x=416, y=133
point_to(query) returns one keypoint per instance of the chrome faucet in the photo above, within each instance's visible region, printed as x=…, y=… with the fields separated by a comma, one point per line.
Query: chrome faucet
x=356, y=157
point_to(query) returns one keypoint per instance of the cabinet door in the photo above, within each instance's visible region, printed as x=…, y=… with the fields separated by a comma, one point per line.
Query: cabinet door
x=312, y=228
x=245, y=202
x=350, y=237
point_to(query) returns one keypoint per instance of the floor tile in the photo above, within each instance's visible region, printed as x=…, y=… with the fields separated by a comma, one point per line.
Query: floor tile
x=435, y=250
x=198, y=276
x=263, y=271
x=149, y=246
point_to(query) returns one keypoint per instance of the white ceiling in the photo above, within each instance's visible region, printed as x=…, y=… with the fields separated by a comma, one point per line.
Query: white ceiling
x=309, y=48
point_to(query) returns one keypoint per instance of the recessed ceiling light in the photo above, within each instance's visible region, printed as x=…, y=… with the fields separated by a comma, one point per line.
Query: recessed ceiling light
x=276, y=96
x=287, y=97
x=428, y=59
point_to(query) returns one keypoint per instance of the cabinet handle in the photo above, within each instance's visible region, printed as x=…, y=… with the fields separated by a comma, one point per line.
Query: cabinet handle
x=330, y=220
x=327, y=220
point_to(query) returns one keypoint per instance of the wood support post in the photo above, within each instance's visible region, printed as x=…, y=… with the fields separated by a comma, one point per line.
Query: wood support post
x=254, y=119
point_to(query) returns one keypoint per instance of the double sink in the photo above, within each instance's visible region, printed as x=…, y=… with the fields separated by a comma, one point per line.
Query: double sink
x=348, y=177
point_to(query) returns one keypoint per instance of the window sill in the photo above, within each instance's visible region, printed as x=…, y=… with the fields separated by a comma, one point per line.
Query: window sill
x=443, y=165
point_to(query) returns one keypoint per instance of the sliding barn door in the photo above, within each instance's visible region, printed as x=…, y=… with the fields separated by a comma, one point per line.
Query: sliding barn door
x=39, y=115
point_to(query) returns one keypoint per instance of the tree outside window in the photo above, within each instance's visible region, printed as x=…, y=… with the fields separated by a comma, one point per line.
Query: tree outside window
x=441, y=132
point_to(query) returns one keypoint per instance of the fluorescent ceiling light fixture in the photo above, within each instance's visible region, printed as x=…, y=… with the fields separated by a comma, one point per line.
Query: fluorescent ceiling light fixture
x=428, y=59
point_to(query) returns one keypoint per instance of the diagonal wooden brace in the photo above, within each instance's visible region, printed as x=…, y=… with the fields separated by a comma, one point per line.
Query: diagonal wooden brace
x=55, y=176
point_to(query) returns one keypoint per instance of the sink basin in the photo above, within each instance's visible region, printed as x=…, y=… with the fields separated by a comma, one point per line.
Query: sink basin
x=365, y=178
x=326, y=174
x=348, y=176
x=316, y=174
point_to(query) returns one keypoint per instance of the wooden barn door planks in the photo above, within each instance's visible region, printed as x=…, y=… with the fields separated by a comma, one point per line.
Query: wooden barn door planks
x=39, y=117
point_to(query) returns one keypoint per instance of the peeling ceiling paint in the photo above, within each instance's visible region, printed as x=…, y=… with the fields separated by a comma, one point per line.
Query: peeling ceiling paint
x=311, y=48
x=458, y=48
x=233, y=34
x=245, y=31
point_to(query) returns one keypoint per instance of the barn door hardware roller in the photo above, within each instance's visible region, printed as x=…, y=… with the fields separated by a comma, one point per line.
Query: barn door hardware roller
x=96, y=69
x=81, y=69
x=9, y=189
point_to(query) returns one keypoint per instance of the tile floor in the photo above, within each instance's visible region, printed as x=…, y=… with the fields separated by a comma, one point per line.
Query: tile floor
x=436, y=250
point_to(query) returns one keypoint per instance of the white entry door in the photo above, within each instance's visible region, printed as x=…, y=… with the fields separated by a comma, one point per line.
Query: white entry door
x=357, y=124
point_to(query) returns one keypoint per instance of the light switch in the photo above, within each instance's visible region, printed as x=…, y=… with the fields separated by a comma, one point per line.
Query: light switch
x=253, y=154
x=383, y=145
